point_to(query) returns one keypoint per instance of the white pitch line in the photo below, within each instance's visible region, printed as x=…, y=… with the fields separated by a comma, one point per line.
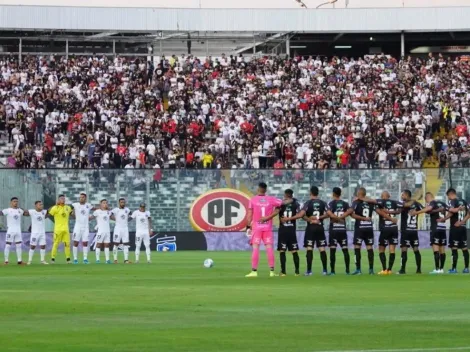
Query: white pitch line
x=406, y=350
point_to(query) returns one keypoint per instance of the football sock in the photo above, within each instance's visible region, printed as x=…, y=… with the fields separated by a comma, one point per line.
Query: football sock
x=465, y=257
x=75, y=253
x=147, y=251
x=295, y=256
x=137, y=253
x=97, y=252
x=43, y=254
x=332, y=259
x=6, y=252
x=18, y=252
x=391, y=261
x=357, y=258
x=106, y=253
x=418, y=260
x=85, y=252
x=255, y=259
x=347, y=259
x=383, y=260
x=30, y=256
x=55, y=245
x=115, y=250
x=282, y=257
x=443, y=260
x=404, y=259
x=126, y=252
x=437, y=258
x=455, y=258
x=324, y=260
x=67, y=250
x=370, y=257
x=309, y=260
x=270, y=254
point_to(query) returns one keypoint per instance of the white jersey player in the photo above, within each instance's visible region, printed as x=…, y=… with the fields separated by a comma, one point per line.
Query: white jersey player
x=121, y=230
x=143, y=230
x=103, y=234
x=38, y=231
x=14, y=215
x=81, y=212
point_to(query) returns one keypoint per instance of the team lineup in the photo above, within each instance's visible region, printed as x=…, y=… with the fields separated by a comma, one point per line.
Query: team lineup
x=82, y=212
x=263, y=209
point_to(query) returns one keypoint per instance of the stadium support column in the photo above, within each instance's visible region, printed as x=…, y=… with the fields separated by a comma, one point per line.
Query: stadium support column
x=66, y=48
x=288, y=46
x=20, y=50
x=114, y=48
x=402, y=46
x=178, y=199
x=254, y=45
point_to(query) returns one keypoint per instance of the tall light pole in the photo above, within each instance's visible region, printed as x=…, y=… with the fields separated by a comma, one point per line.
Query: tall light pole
x=326, y=3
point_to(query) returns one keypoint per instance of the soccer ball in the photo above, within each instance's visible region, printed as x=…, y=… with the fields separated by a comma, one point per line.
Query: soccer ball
x=165, y=249
x=208, y=263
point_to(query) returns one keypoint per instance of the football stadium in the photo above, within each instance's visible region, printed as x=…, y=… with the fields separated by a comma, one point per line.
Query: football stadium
x=239, y=176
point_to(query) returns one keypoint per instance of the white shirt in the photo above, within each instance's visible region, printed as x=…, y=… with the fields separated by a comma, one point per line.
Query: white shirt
x=122, y=217
x=428, y=143
x=141, y=221
x=82, y=214
x=13, y=219
x=38, y=221
x=102, y=218
x=419, y=178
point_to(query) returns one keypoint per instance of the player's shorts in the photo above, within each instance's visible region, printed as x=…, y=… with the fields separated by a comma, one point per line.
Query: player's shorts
x=80, y=234
x=14, y=237
x=315, y=236
x=142, y=237
x=258, y=236
x=338, y=238
x=62, y=236
x=287, y=239
x=363, y=235
x=121, y=235
x=438, y=238
x=38, y=239
x=103, y=237
x=388, y=236
x=458, y=237
x=409, y=239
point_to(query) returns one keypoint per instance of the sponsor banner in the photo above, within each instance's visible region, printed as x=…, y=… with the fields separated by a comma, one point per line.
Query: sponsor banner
x=223, y=210
x=160, y=241
x=441, y=49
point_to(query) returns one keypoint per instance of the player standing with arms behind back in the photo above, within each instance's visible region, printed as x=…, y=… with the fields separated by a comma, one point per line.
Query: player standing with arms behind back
x=287, y=239
x=261, y=210
x=38, y=231
x=143, y=231
x=13, y=215
x=458, y=215
x=103, y=234
x=121, y=230
x=81, y=212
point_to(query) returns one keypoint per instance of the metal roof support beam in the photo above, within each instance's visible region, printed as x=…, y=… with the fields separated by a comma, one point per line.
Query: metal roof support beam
x=255, y=43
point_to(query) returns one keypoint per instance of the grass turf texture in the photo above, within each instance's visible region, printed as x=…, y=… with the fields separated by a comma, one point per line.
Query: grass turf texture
x=175, y=304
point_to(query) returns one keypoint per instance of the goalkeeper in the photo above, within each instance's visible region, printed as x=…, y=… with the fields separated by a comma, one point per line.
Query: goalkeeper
x=61, y=214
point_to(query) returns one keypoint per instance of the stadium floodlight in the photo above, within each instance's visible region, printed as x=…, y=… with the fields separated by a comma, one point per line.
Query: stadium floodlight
x=326, y=3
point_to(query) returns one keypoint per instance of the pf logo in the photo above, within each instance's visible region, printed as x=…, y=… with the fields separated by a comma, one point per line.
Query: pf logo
x=220, y=210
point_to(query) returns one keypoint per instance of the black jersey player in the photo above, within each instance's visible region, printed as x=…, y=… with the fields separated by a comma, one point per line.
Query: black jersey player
x=363, y=231
x=287, y=240
x=314, y=211
x=409, y=231
x=438, y=239
x=338, y=210
x=458, y=215
x=387, y=210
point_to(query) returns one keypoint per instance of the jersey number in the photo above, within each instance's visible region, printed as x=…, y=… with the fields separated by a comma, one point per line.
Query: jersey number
x=263, y=211
x=316, y=214
x=365, y=213
x=288, y=214
x=461, y=215
x=412, y=220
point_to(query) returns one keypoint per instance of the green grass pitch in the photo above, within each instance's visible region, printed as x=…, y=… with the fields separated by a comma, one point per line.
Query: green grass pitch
x=174, y=304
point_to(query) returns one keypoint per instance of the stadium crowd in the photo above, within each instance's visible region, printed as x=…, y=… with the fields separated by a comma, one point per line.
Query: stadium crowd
x=268, y=112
